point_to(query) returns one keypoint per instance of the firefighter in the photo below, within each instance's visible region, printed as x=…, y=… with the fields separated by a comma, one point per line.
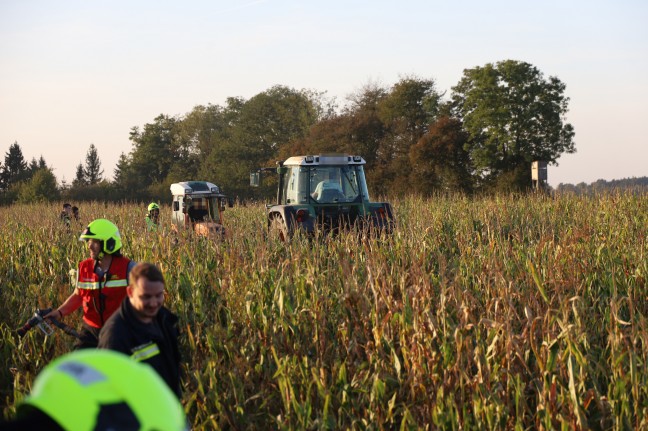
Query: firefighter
x=143, y=328
x=98, y=390
x=153, y=216
x=75, y=213
x=101, y=281
x=66, y=214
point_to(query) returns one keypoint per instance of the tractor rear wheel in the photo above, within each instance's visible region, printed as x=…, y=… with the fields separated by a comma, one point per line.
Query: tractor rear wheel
x=278, y=229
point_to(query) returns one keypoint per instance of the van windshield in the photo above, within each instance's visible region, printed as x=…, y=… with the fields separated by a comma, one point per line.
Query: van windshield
x=203, y=209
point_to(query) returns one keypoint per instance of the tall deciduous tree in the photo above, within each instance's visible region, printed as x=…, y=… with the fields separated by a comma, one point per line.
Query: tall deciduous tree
x=439, y=161
x=153, y=153
x=273, y=118
x=407, y=111
x=92, y=170
x=358, y=129
x=206, y=127
x=513, y=116
x=382, y=125
x=40, y=188
x=258, y=129
x=200, y=133
x=367, y=128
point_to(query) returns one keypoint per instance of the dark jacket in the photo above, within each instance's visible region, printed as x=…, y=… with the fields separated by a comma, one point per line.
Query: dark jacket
x=154, y=344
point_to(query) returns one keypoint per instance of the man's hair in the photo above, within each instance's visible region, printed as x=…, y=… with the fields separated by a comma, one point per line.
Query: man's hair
x=66, y=205
x=146, y=270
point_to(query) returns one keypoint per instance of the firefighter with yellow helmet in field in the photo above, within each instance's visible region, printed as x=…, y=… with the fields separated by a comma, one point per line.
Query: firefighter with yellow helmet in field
x=153, y=217
x=101, y=281
x=98, y=390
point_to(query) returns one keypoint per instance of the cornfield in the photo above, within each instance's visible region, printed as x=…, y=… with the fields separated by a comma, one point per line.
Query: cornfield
x=509, y=312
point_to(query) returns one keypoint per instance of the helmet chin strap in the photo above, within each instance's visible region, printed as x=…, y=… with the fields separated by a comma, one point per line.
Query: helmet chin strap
x=101, y=253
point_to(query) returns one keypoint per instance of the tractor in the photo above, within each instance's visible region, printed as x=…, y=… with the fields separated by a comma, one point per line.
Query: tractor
x=325, y=194
x=198, y=206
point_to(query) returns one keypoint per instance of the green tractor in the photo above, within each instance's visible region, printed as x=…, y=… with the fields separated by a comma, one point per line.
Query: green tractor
x=323, y=194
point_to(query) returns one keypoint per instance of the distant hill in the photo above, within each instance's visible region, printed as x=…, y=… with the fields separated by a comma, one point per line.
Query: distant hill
x=638, y=184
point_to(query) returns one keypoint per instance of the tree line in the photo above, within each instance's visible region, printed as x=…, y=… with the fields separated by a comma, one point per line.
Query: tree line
x=636, y=184
x=482, y=138
x=35, y=181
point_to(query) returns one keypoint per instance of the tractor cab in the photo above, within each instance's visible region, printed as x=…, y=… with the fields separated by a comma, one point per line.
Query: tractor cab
x=198, y=206
x=326, y=192
x=335, y=182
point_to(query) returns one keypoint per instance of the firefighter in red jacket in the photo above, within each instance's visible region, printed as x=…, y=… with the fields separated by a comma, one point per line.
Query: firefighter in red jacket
x=101, y=282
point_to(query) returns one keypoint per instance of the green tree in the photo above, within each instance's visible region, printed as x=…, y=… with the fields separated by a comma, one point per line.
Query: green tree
x=380, y=124
x=366, y=128
x=357, y=129
x=153, y=154
x=272, y=119
x=15, y=167
x=92, y=171
x=353, y=132
x=200, y=133
x=122, y=173
x=330, y=135
x=406, y=112
x=125, y=184
x=209, y=127
x=102, y=191
x=40, y=188
x=513, y=116
x=257, y=130
x=411, y=105
x=439, y=161
x=79, y=178
x=164, y=152
x=35, y=165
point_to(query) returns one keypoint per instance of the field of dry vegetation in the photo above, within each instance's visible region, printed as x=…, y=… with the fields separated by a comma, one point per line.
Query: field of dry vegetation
x=478, y=313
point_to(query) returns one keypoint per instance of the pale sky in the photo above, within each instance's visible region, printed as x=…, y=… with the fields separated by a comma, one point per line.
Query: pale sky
x=75, y=73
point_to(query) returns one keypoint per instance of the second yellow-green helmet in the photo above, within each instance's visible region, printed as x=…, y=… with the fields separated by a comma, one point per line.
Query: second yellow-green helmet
x=153, y=206
x=106, y=231
x=104, y=390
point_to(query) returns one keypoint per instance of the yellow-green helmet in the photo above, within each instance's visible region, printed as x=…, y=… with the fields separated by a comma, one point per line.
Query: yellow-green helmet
x=96, y=389
x=153, y=206
x=103, y=230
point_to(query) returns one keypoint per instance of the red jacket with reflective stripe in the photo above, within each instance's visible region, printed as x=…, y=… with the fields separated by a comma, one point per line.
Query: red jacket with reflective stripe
x=102, y=297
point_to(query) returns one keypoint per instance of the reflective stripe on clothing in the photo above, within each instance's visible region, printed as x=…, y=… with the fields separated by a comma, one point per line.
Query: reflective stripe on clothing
x=145, y=351
x=101, y=299
x=94, y=285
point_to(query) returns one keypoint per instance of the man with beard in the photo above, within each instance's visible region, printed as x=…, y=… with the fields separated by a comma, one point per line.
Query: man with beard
x=143, y=328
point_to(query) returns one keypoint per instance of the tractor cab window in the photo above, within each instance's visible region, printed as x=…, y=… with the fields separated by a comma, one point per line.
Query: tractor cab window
x=334, y=184
x=290, y=186
x=295, y=189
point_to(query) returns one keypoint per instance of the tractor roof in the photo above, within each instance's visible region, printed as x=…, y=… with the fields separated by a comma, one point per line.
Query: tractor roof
x=324, y=159
x=194, y=187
